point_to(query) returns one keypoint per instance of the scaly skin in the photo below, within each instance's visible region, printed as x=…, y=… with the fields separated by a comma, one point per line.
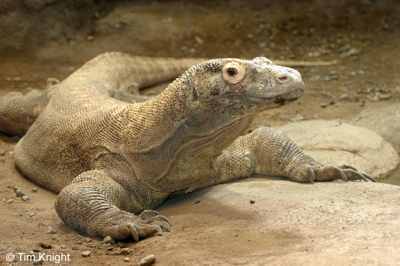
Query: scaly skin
x=111, y=160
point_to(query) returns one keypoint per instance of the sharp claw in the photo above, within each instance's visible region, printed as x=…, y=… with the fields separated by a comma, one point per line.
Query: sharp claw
x=129, y=226
x=162, y=218
x=166, y=227
x=153, y=219
x=149, y=217
x=345, y=166
x=158, y=230
x=344, y=172
x=360, y=176
x=149, y=230
x=134, y=232
x=148, y=214
x=161, y=221
x=311, y=175
x=354, y=175
x=343, y=176
x=368, y=178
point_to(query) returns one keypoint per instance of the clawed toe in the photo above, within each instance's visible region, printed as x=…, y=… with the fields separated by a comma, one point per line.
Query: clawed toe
x=354, y=175
x=140, y=231
x=154, y=217
x=134, y=230
x=344, y=172
x=124, y=225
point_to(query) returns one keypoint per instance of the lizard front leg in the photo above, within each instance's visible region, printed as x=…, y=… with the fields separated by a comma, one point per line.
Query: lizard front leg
x=97, y=205
x=268, y=152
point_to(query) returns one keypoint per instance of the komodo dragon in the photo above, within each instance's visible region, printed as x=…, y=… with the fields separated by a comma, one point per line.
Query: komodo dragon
x=113, y=160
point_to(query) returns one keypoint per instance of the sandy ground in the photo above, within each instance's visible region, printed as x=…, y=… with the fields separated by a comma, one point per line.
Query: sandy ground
x=363, y=38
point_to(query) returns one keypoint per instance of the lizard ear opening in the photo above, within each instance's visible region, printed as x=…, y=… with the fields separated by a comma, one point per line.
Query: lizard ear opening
x=233, y=72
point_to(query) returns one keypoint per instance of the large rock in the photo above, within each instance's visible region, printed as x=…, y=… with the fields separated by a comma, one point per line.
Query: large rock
x=278, y=222
x=335, y=142
x=385, y=120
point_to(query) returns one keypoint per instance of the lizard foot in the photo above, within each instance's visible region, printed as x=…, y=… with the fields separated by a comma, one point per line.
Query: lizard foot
x=352, y=174
x=125, y=225
x=151, y=216
x=311, y=173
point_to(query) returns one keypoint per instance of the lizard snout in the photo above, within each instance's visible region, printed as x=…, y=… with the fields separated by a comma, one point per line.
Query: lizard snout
x=291, y=85
x=287, y=75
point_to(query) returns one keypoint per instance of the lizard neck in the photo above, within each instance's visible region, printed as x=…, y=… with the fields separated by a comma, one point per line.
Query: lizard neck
x=172, y=104
x=176, y=106
x=175, y=113
x=149, y=124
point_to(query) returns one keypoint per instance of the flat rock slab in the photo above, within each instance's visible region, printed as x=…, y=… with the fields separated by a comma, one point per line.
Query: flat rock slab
x=278, y=222
x=335, y=142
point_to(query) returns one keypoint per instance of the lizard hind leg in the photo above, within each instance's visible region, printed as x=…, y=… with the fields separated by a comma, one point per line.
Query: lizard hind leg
x=129, y=94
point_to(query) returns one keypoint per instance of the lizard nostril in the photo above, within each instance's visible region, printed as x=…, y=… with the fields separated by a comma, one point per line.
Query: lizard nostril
x=283, y=78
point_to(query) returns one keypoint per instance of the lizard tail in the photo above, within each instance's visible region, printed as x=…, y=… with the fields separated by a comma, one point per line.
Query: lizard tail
x=123, y=70
x=155, y=71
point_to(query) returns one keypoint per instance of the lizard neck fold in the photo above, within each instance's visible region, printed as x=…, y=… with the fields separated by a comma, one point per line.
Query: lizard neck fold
x=172, y=104
x=149, y=124
x=178, y=107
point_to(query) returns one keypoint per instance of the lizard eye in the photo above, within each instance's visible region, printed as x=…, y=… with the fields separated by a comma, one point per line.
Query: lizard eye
x=233, y=72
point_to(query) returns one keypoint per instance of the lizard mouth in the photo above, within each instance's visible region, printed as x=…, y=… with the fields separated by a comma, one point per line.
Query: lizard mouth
x=279, y=99
x=289, y=97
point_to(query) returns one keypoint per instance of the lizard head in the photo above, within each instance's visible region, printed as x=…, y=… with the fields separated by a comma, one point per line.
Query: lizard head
x=241, y=86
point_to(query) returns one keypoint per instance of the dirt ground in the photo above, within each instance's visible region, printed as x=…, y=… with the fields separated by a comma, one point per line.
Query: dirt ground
x=362, y=36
